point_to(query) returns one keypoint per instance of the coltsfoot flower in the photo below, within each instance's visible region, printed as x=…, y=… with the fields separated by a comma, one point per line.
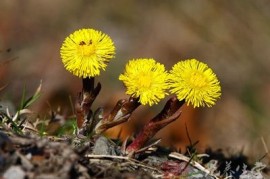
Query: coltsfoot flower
x=145, y=79
x=194, y=82
x=86, y=51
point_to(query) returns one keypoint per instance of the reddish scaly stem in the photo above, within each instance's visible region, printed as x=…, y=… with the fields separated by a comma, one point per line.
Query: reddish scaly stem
x=123, y=108
x=120, y=114
x=86, y=99
x=170, y=113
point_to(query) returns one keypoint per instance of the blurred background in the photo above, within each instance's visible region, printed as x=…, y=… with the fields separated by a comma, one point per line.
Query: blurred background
x=232, y=37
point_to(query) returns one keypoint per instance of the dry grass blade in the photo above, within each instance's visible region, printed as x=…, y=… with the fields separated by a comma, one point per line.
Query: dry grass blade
x=3, y=87
x=23, y=111
x=193, y=163
x=266, y=150
x=132, y=161
x=149, y=147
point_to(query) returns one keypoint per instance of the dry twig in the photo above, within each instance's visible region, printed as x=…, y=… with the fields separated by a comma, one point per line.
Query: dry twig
x=193, y=163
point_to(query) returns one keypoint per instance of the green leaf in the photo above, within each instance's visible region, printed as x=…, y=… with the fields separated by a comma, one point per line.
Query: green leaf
x=33, y=98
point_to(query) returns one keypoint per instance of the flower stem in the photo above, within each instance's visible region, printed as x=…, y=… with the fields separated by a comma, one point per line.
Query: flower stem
x=170, y=113
x=85, y=100
x=120, y=114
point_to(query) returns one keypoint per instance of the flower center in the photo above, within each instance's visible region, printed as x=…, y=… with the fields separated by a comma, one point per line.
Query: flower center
x=198, y=80
x=144, y=81
x=86, y=49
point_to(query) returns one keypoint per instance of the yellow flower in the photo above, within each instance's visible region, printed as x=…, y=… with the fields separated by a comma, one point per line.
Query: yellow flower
x=86, y=51
x=194, y=82
x=145, y=79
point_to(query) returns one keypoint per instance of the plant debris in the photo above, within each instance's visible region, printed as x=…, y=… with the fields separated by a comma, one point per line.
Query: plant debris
x=33, y=156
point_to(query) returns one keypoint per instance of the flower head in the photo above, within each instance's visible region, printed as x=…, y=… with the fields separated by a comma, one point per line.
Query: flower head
x=145, y=79
x=86, y=51
x=194, y=82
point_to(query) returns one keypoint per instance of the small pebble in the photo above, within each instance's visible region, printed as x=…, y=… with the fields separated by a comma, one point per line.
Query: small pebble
x=103, y=147
x=14, y=172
